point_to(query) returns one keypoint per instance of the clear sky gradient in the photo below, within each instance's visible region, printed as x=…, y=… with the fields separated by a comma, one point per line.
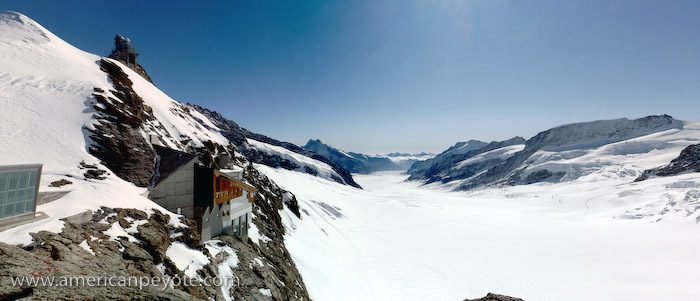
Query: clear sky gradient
x=383, y=76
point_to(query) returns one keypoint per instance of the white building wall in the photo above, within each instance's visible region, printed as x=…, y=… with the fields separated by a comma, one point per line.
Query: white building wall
x=177, y=191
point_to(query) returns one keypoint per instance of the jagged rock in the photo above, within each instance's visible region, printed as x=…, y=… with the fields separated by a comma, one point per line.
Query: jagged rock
x=269, y=200
x=60, y=183
x=96, y=174
x=687, y=161
x=59, y=254
x=117, y=136
x=495, y=297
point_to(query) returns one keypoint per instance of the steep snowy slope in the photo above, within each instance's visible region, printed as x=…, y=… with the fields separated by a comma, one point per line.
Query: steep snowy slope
x=262, y=149
x=304, y=163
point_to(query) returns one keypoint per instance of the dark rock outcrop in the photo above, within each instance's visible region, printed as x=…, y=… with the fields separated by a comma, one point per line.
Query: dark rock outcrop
x=687, y=161
x=64, y=254
x=116, y=137
x=84, y=250
x=495, y=297
x=60, y=183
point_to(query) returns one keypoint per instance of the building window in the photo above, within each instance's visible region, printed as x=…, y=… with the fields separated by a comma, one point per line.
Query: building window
x=18, y=185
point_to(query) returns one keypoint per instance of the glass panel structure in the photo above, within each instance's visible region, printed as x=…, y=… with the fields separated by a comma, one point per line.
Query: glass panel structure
x=19, y=185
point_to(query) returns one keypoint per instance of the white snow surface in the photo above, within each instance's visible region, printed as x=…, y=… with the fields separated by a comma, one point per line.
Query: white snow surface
x=598, y=237
x=87, y=247
x=186, y=260
x=265, y=292
x=225, y=259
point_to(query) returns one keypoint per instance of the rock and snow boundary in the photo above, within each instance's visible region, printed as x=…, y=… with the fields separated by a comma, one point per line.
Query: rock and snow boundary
x=60, y=105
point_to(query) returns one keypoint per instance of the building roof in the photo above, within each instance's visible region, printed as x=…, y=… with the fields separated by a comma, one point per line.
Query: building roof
x=237, y=183
x=169, y=160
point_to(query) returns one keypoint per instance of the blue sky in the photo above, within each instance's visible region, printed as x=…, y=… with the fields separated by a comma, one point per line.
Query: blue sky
x=382, y=76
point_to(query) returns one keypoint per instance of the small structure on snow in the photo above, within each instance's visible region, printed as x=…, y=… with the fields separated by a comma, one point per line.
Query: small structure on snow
x=124, y=50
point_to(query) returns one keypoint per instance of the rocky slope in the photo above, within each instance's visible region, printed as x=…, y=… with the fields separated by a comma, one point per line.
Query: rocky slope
x=452, y=164
x=458, y=148
x=354, y=162
x=90, y=249
x=687, y=161
x=239, y=137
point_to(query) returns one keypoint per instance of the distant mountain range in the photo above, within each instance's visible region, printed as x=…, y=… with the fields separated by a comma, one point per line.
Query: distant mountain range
x=563, y=153
x=361, y=163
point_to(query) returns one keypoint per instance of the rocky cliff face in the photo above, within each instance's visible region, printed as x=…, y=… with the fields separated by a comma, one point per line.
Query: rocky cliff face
x=117, y=137
x=354, y=162
x=90, y=249
x=687, y=161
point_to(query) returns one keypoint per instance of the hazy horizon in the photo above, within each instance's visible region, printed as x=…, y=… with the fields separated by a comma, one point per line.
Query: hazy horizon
x=394, y=76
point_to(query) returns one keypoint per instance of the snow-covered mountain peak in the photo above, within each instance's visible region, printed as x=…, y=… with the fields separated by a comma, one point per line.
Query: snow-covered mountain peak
x=15, y=25
x=29, y=49
x=597, y=133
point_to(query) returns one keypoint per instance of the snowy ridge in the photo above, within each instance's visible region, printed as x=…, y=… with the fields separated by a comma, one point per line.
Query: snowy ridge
x=563, y=153
x=354, y=162
x=180, y=126
x=457, y=149
x=503, y=152
x=305, y=163
x=623, y=159
x=597, y=133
